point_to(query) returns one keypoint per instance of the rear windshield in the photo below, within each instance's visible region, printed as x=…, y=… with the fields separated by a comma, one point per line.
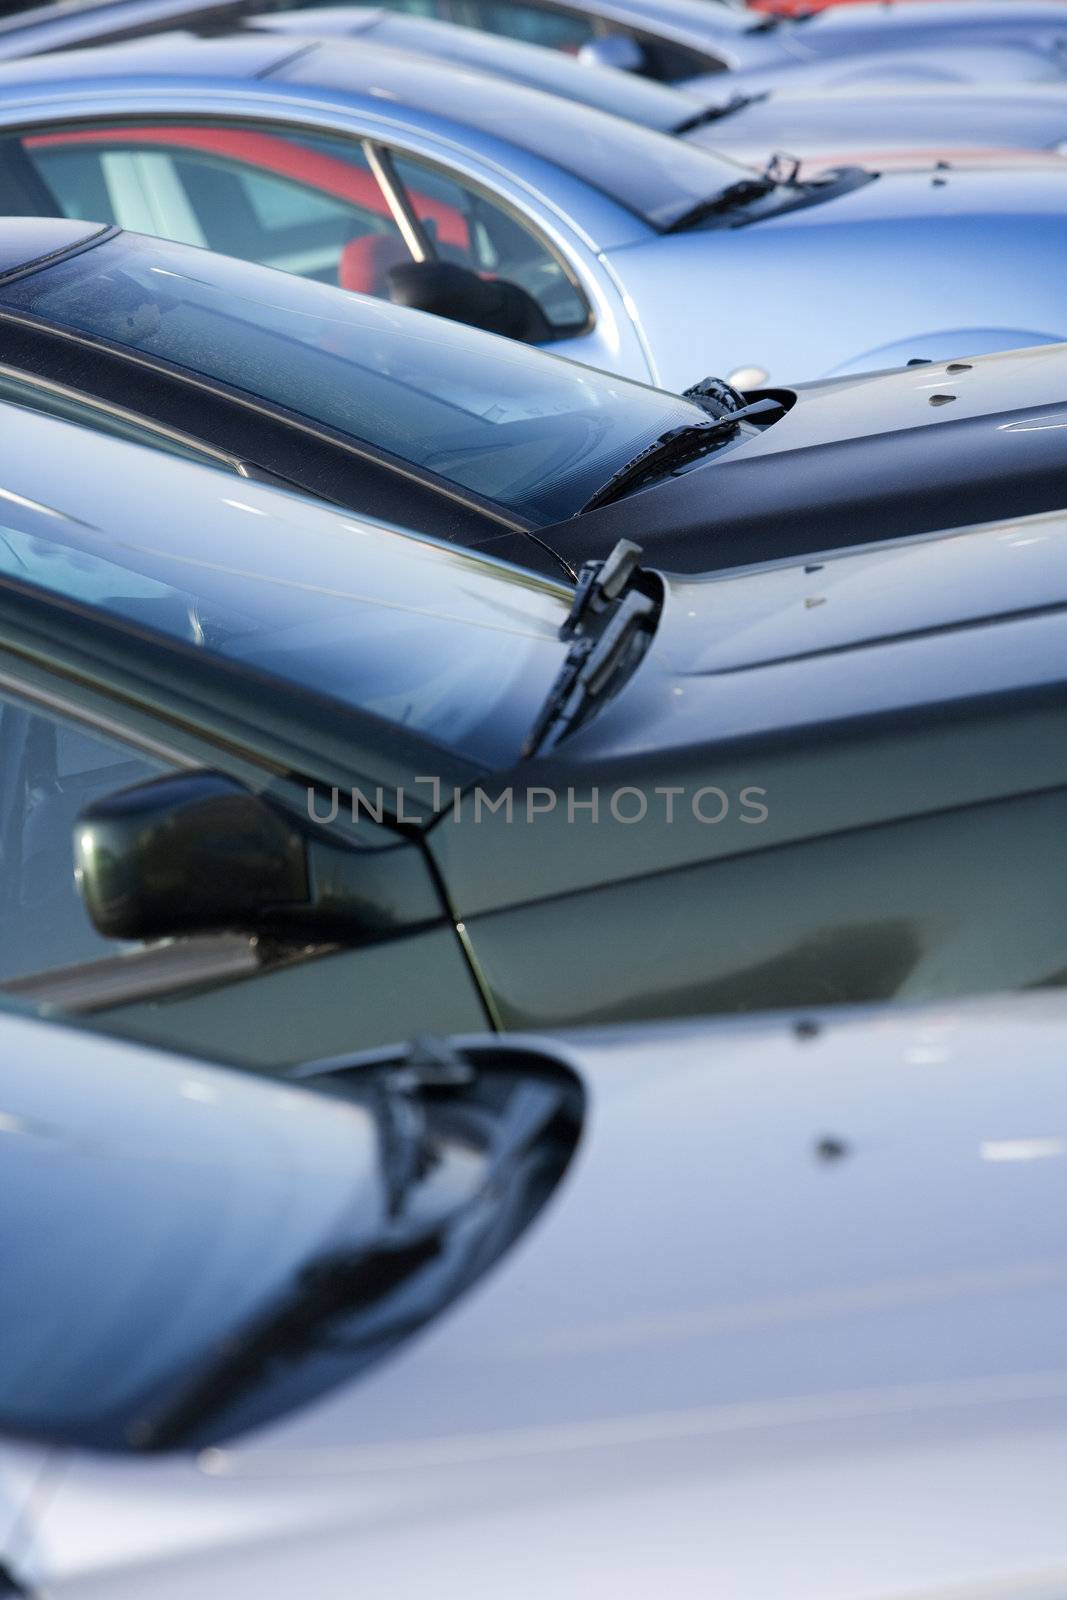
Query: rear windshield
x=650, y=174
x=537, y=434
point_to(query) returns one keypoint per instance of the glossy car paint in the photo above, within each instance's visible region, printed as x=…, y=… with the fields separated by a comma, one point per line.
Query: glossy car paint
x=811, y=1346
x=726, y=312
x=872, y=127
x=869, y=750
x=1022, y=45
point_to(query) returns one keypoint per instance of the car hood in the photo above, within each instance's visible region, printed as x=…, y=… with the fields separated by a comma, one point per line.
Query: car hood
x=970, y=59
x=792, y=1325
x=871, y=127
x=744, y=294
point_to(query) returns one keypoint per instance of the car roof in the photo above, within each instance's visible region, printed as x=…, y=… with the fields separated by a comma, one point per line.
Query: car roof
x=624, y=94
x=82, y=21
x=654, y=177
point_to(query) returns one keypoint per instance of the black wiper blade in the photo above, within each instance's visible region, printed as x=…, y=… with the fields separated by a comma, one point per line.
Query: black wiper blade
x=706, y=114
x=674, y=449
x=781, y=172
x=609, y=626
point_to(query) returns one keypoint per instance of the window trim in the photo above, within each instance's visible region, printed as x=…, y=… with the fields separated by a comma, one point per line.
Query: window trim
x=570, y=330
x=360, y=449
x=213, y=455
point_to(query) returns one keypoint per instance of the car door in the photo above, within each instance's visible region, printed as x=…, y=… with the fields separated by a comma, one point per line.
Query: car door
x=338, y=209
x=227, y=996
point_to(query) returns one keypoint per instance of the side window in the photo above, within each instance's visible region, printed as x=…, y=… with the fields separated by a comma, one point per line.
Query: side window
x=52, y=767
x=302, y=205
x=467, y=227
x=544, y=25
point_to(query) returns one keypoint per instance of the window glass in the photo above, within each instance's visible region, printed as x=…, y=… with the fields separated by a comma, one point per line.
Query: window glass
x=535, y=433
x=52, y=768
x=556, y=30
x=467, y=227
x=306, y=206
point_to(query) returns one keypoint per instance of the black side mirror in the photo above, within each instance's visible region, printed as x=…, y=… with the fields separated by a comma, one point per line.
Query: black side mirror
x=449, y=290
x=198, y=853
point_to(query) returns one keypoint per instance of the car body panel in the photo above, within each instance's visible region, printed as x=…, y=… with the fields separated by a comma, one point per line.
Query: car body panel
x=931, y=65
x=813, y=900
x=948, y=443
x=877, y=228
x=882, y=124
x=745, y=1323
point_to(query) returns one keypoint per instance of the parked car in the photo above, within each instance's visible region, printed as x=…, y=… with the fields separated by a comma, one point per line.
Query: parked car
x=488, y=443
x=277, y=774
x=622, y=248
x=875, y=124
x=821, y=1315
x=669, y=40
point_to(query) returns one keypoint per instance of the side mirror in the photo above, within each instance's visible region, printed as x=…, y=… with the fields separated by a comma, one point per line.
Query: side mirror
x=615, y=50
x=448, y=290
x=197, y=853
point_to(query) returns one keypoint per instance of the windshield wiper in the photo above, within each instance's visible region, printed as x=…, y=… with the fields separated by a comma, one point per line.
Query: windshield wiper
x=609, y=625
x=706, y=114
x=781, y=172
x=675, y=448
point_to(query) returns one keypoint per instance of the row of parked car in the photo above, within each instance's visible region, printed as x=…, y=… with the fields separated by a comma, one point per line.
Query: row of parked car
x=517, y=874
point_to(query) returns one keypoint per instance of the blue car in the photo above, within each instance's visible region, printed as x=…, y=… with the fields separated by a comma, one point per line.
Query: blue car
x=669, y=40
x=620, y=247
x=899, y=122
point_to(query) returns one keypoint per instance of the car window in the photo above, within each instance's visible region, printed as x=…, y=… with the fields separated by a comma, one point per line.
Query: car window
x=52, y=767
x=300, y=205
x=544, y=25
x=466, y=226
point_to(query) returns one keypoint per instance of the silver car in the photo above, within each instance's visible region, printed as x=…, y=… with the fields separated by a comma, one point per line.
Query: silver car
x=671, y=40
x=777, y=1309
x=622, y=248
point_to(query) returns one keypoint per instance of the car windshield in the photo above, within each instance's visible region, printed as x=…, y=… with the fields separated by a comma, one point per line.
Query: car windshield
x=649, y=173
x=439, y=641
x=532, y=432
x=193, y=1252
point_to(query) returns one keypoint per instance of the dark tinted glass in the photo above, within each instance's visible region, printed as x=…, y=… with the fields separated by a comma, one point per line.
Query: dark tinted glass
x=538, y=434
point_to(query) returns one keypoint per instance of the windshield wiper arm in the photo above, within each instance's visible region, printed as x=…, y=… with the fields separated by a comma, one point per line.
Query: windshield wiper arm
x=706, y=114
x=673, y=449
x=781, y=172
x=609, y=626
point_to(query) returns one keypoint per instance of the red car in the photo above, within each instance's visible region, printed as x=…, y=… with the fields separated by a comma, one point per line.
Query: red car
x=804, y=8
